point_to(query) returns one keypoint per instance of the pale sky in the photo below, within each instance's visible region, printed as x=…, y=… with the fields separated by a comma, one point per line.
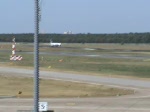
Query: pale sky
x=78, y=16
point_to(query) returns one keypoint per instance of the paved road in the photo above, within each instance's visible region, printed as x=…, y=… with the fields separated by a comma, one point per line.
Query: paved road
x=139, y=102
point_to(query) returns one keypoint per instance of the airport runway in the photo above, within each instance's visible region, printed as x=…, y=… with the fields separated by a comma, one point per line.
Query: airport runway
x=139, y=102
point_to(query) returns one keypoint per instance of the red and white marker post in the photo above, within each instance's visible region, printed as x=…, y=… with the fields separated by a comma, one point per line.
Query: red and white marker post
x=14, y=57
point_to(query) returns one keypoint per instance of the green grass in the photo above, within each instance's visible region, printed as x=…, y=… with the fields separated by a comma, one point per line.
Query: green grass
x=85, y=65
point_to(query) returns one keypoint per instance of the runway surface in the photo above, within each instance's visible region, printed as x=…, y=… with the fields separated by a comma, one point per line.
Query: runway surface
x=139, y=102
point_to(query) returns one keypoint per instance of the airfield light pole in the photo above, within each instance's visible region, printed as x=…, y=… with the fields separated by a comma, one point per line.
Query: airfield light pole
x=36, y=58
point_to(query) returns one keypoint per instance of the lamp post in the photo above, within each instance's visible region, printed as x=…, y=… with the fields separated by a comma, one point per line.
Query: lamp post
x=36, y=58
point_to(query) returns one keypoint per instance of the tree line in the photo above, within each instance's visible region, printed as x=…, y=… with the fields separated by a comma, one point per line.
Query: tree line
x=80, y=38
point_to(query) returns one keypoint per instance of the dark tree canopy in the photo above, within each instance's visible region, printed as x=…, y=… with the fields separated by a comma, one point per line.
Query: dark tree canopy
x=80, y=38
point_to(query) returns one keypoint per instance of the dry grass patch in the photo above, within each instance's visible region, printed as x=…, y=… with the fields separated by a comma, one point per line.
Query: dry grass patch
x=23, y=87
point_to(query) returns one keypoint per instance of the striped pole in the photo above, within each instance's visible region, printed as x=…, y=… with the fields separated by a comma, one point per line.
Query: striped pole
x=14, y=57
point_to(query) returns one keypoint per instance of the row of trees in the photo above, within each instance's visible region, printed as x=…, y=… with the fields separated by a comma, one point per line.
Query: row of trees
x=80, y=38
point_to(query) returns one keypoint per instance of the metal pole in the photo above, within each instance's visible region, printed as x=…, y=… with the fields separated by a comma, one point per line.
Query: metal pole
x=36, y=58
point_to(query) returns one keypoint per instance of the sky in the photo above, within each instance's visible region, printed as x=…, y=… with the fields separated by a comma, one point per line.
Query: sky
x=78, y=16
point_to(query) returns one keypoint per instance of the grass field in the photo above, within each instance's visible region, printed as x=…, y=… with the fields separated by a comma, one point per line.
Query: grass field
x=129, y=67
x=114, y=67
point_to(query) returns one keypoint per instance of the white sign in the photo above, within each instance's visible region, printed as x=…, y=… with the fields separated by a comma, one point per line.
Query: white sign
x=43, y=106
